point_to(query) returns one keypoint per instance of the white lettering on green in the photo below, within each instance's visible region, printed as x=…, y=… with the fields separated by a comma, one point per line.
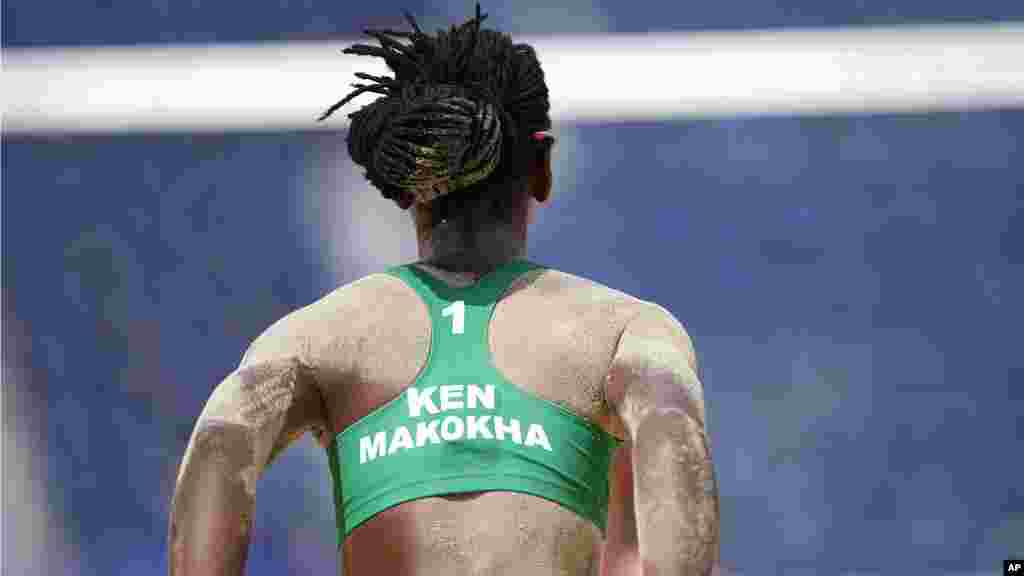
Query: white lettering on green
x=477, y=426
x=368, y=450
x=452, y=428
x=535, y=436
x=400, y=439
x=484, y=395
x=421, y=400
x=500, y=428
x=449, y=398
x=427, y=431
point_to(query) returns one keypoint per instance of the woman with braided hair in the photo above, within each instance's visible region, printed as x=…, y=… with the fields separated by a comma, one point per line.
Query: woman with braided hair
x=481, y=413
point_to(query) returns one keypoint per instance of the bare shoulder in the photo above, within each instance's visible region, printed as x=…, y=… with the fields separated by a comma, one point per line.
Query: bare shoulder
x=303, y=333
x=584, y=291
x=655, y=323
x=654, y=365
x=643, y=316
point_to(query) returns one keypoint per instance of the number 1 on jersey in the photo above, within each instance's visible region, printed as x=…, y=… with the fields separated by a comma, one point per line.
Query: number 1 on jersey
x=458, y=309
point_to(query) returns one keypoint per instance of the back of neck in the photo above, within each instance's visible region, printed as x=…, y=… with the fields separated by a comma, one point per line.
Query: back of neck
x=475, y=262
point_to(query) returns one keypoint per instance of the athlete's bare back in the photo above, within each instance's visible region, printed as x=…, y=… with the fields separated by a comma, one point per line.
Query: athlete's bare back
x=561, y=337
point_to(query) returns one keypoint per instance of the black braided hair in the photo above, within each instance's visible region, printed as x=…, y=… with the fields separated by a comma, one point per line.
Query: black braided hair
x=457, y=115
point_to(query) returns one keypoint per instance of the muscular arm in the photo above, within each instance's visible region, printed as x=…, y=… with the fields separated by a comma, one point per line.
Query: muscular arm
x=653, y=387
x=267, y=403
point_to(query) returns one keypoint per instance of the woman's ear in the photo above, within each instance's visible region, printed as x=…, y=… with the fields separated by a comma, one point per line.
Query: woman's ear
x=540, y=176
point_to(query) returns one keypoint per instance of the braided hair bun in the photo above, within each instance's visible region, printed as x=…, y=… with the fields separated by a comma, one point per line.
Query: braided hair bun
x=435, y=140
x=456, y=113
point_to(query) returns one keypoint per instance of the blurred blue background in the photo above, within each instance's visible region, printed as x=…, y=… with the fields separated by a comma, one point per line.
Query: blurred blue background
x=854, y=286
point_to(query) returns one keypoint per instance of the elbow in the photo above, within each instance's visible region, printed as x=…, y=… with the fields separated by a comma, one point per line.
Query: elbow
x=226, y=452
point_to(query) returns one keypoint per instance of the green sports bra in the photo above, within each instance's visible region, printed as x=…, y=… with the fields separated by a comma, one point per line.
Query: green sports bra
x=462, y=427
